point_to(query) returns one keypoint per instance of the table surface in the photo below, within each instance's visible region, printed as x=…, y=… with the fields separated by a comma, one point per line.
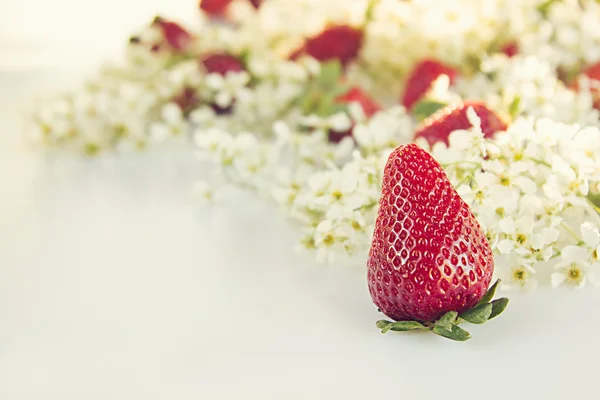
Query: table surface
x=114, y=284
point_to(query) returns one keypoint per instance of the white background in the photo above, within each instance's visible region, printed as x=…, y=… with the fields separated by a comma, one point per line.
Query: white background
x=115, y=285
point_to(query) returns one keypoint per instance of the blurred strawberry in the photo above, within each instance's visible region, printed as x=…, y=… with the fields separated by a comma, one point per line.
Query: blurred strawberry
x=187, y=100
x=368, y=104
x=339, y=42
x=422, y=77
x=214, y=8
x=438, y=127
x=221, y=63
x=510, y=49
x=356, y=94
x=218, y=8
x=174, y=34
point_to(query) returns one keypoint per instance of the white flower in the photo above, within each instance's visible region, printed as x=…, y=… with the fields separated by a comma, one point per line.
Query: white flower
x=572, y=268
x=327, y=241
x=173, y=123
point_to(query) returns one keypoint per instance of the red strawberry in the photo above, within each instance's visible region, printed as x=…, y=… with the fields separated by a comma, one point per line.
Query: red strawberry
x=218, y=8
x=221, y=63
x=214, y=8
x=187, y=99
x=422, y=77
x=339, y=42
x=510, y=49
x=438, y=127
x=175, y=35
x=369, y=107
x=429, y=256
x=356, y=94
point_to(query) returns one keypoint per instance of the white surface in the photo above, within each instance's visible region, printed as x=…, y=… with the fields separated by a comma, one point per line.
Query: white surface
x=114, y=285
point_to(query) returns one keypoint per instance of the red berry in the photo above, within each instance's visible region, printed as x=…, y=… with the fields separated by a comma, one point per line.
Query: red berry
x=221, y=63
x=422, y=77
x=187, y=99
x=356, y=94
x=340, y=42
x=256, y=3
x=369, y=107
x=429, y=254
x=214, y=7
x=175, y=35
x=439, y=126
x=510, y=49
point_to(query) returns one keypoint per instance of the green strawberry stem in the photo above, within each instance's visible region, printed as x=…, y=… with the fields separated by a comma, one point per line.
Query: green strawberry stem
x=447, y=325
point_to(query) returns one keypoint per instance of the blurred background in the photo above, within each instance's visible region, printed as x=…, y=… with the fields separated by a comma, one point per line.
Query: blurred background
x=76, y=34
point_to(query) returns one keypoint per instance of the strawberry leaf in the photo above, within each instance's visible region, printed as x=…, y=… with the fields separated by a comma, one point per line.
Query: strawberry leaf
x=454, y=333
x=478, y=314
x=331, y=72
x=340, y=89
x=403, y=326
x=425, y=108
x=447, y=320
x=498, y=306
x=513, y=108
x=489, y=295
x=399, y=326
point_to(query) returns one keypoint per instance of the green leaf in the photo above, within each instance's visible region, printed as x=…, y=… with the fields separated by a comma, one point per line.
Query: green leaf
x=454, y=333
x=383, y=325
x=545, y=7
x=514, y=107
x=331, y=72
x=403, y=326
x=489, y=295
x=370, y=10
x=498, y=306
x=478, y=314
x=594, y=199
x=425, y=108
x=447, y=320
x=340, y=89
x=399, y=326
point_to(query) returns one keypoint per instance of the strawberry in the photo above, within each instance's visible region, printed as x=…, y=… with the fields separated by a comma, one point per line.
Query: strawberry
x=439, y=125
x=510, y=49
x=429, y=259
x=187, y=99
x=214, y=8
x=339, y=42
x=218, y=8
x=221, y=63
x=422, y=77
x=174, y=34
x=369, y=106
x=355, y=94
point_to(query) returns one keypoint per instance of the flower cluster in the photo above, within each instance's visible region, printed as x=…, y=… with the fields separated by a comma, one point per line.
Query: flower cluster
x=298, y=101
